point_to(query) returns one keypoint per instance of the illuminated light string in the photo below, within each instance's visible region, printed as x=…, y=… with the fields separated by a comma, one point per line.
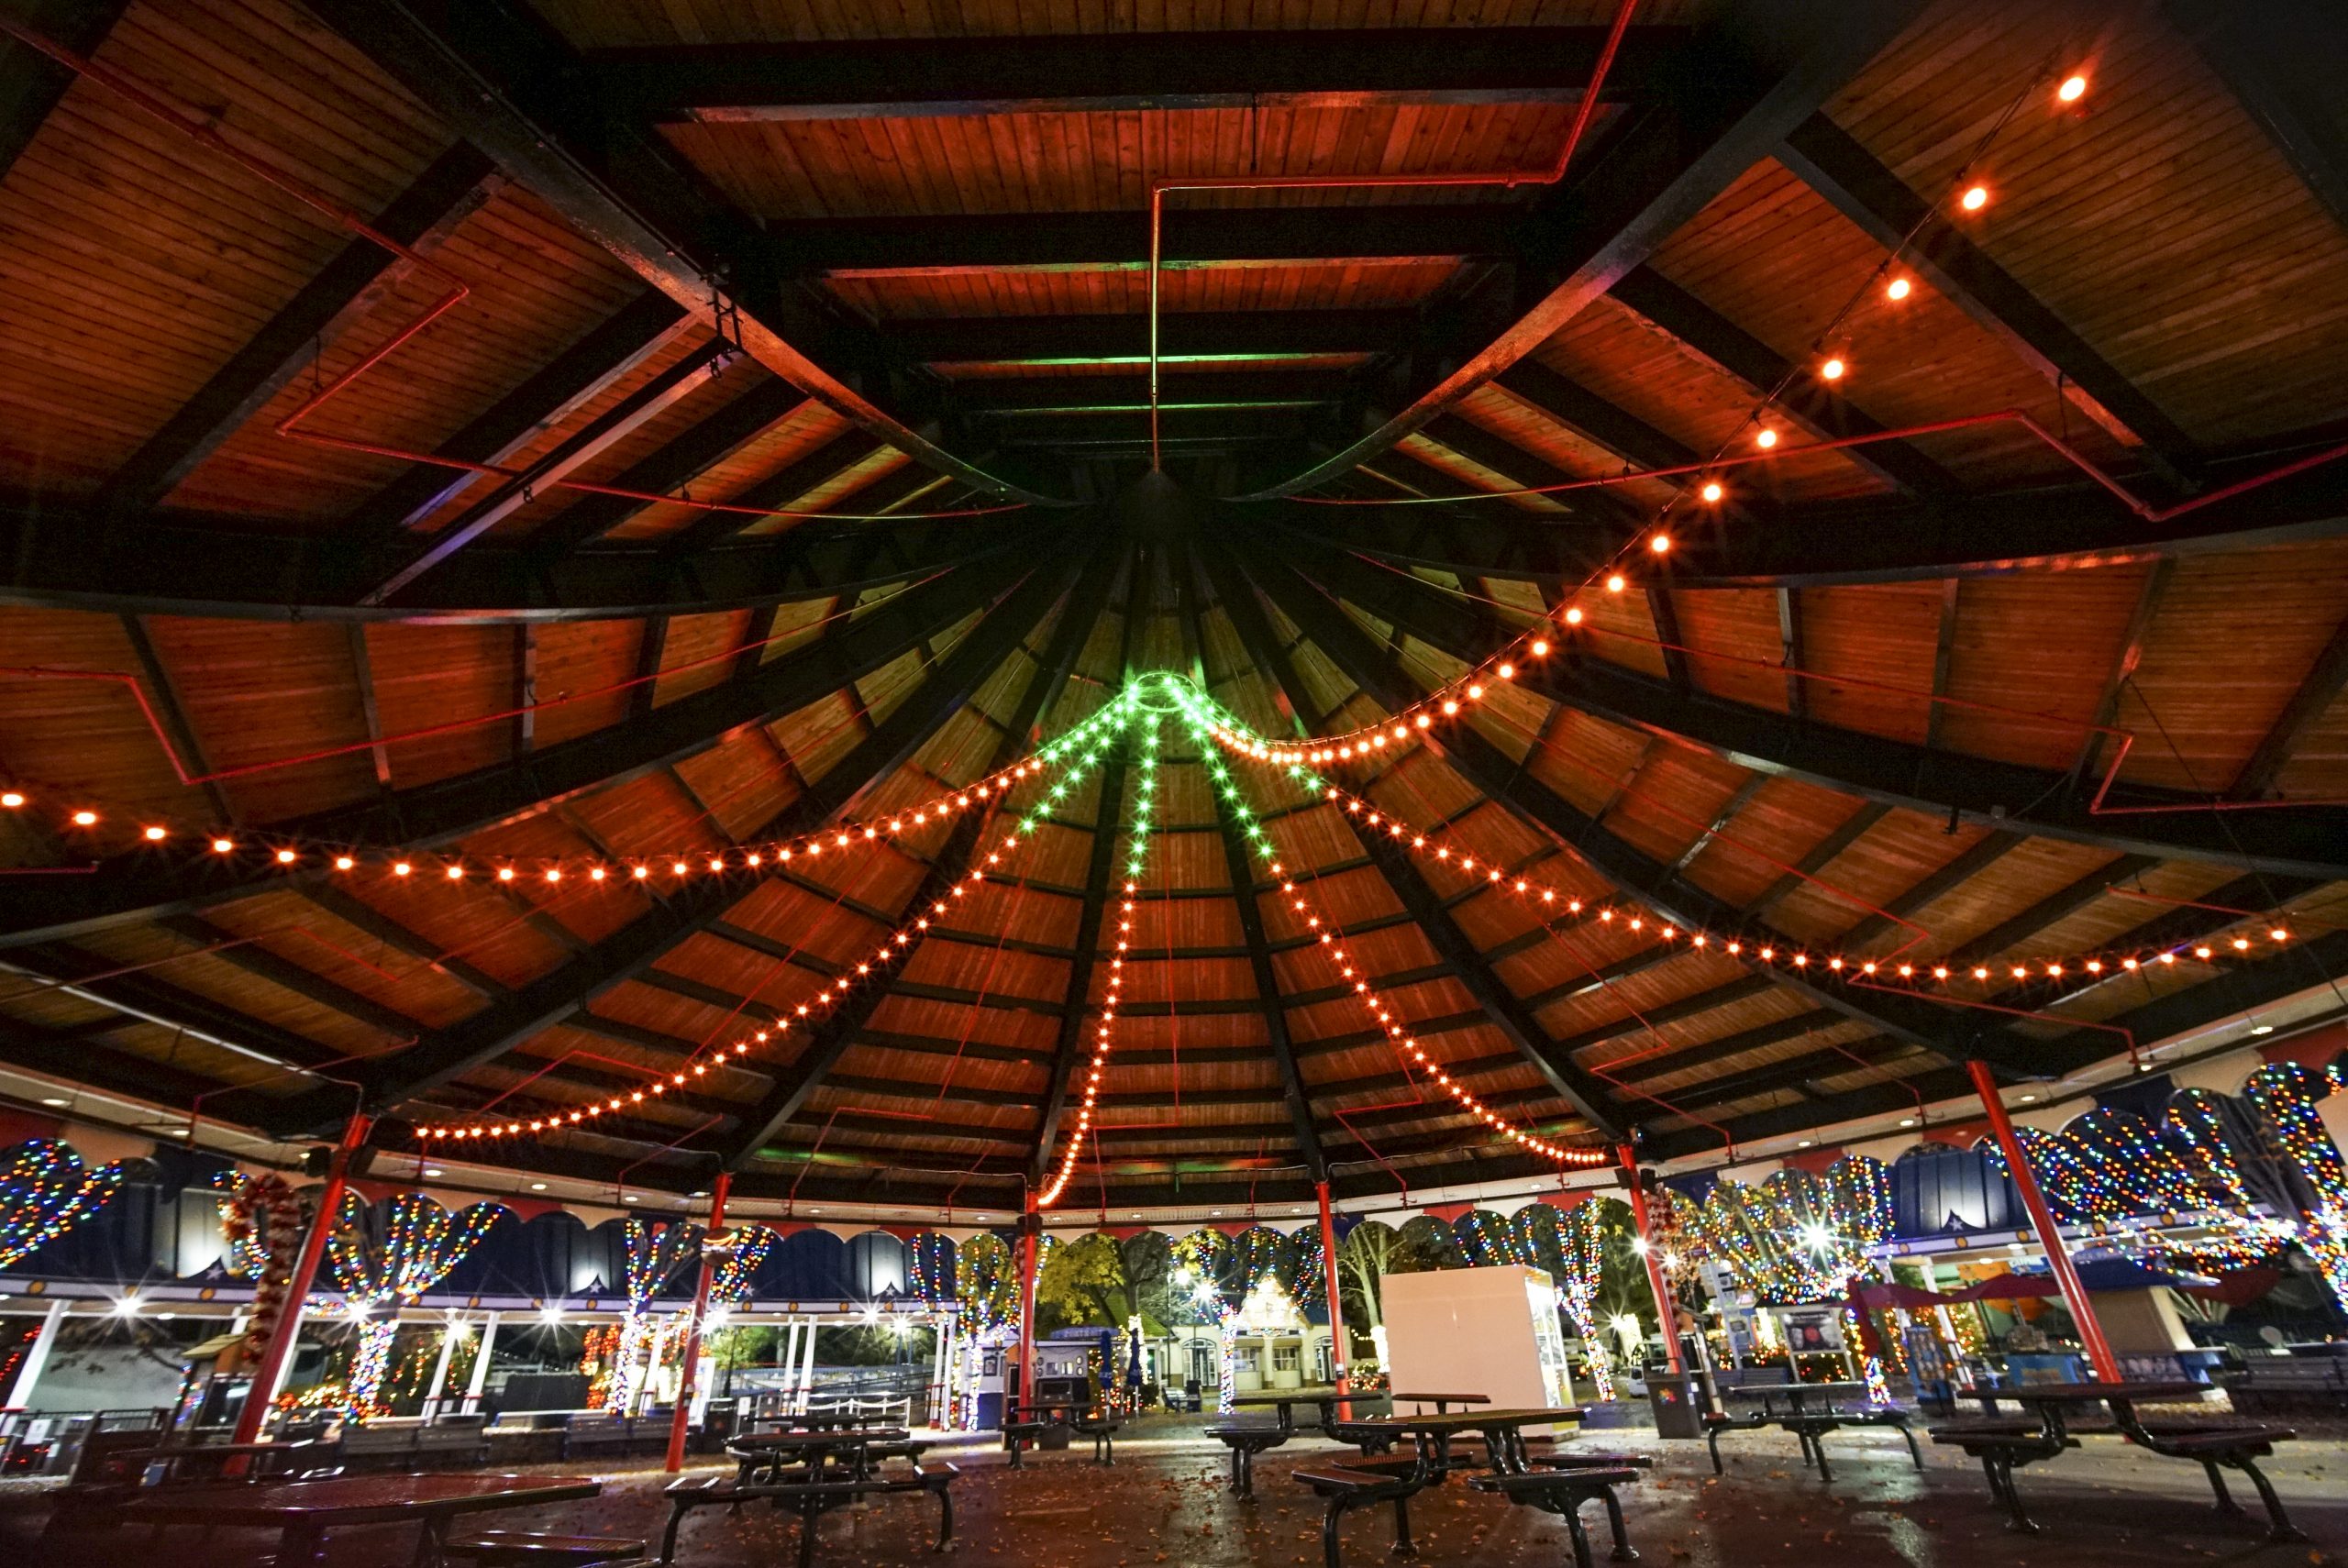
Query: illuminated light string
x=1553, y=905
x=1393, y=1026
x=418, y=1245
x=1104, y=1027
x=892, y=950
x=46, y=1189
x=215, y=846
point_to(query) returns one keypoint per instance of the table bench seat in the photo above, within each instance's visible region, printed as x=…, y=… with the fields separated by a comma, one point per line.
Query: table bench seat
x=1562, y=1492
x=533, y=1549
x=1102, y=1429
x=1353, y=1485
x=809, y=1496
x=1246, y=1441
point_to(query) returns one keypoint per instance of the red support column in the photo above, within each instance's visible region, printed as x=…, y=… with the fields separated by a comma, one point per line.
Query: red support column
x=682, y=1416
x=2042, y=1223
x=1665, y=1320
x=1031, y=1229
x=1329, y=1286
x=280, y=1348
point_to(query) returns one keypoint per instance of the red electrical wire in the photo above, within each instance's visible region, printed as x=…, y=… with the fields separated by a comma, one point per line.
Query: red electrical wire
x=1509, y=178
x=154, y=104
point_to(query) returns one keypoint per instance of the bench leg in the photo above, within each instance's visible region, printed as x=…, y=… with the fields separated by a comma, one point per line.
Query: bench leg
x=1913, y=1451
x=2226, y=1504
x=1623, y=1550
x=1329, y=1532
x=1712, y=1441
x=668, y=1537
x=1579, y=1537
x=1403, y=1545
x=2278, y=1522
x=1247, y=1473
x=807, y=1517
x=945, y=1519
x=1818, y=1449
x=2005, y=1484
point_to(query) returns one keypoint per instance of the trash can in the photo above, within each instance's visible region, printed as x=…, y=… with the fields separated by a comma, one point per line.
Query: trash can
x=1678, y=1400
x=989, y=1411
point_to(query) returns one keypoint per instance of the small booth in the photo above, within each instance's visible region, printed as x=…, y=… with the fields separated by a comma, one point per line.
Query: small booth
x=1490, y=1331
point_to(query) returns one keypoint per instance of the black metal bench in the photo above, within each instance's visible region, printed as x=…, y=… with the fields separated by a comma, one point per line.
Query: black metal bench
x=1017, y=1435
x=1246, y=1441
x=1103, y=1430
x=1562, y=1490
x=2003, y=1447
x=811, y=1496
x=2290, y=1386
x=1357, y=1485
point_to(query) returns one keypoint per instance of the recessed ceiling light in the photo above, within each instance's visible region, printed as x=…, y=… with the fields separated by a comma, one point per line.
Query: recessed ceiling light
x=1805, y=1142
x=433, y=1170
x=2029, y=1099
x=2262, y=1029
x=631, y=1197
x=55, y=1101
x=538, y=1187
x=1906, y=1121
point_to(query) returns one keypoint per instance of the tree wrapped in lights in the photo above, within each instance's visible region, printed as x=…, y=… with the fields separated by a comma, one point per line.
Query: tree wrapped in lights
x=1580, y=1256
x=382, y=1258
x=2286, y=1096
x=737, y=1265
x=656, y=1251
x=46, y=1189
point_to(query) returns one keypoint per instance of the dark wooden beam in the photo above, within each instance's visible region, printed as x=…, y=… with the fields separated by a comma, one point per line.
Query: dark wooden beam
x=1828, y=543
x=672, y=469
x=1122, y=340
x=498, y=74
x=1738, y=88
x=2315, y=696
x=136, y=887
x=32, y=84
x=2284, y=60
x=1790, y=642
x=345, y=292
x=1999, y=794
x=1488, y=769
x=1849, y=832
x=1831, y=162
x=2123, y=667
x=1796, y=390
x=166, y=698
x=1059, y=73
x=1944, y=657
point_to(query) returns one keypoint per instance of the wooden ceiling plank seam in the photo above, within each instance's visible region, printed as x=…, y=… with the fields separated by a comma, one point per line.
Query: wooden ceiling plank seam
x=431, y=815
x=1944, y=656
x=499, y=75
x=1795, y=391
x=1740, y=88
x=2004, y=795
x=649, y=651
x=1486, y=769
x=1569, y=404
x=1666, y=615
x=2309, y=701
x=972, y=662
x=525, y=688
x=343, y=292
x=1833, y=163
x=264, y=963
x=2123, y=666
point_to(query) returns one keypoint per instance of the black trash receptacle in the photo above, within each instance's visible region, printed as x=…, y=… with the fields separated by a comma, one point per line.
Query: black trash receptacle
x=1678, y=1400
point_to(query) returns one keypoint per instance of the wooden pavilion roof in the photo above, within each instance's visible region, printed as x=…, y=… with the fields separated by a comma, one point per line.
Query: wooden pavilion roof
x=877, y=278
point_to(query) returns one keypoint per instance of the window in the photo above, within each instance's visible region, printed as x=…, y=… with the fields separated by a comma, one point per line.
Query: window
x=1287, y=1358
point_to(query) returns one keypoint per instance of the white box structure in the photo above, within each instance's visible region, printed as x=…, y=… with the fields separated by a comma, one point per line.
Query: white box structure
x=1477, y=1331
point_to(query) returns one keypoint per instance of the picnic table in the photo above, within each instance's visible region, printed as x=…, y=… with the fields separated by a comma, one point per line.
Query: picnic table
x=1442, y=1402
x=1810, y=1411
x=211, y=1461
x=2005, y=1446
x=825, y=1451
x=302, y=1511
x=1555, y=1486
x=1025, y=1421
x=1285, y=1401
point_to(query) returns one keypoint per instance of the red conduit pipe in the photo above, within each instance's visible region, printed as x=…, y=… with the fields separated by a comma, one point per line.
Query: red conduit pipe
x=1509, y=178
x=2041, y=1221
x=683, y=1412
x=1667, y=1320
x=156, y=106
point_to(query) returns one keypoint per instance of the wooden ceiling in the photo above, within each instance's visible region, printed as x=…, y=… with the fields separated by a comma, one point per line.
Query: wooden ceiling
x=888, y=266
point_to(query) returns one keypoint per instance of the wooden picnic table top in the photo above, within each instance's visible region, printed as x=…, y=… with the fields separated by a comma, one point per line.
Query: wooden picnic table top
x=1441, y=1398
x=1473, y=1421
x=2144, y=1392
x=1287, y=1396
x=355, y=1499
x=1795, y=1392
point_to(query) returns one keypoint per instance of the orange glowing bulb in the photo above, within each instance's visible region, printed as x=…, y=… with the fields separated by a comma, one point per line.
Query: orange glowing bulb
x=1975, y=198
x=154, y=835
x=1573, y=615
x=2073, y=88
x=1539, y=648
x=1766, y=439
x=13, y=801
x=400, y=869
x=223, y=846
x=1831, y=370
x=456, y=873
x=1898, y=289
x=1660, y=543
x=1614, y=583
x=286, y=857
x=85, y=818
x=1712, y=490
x=344, y=863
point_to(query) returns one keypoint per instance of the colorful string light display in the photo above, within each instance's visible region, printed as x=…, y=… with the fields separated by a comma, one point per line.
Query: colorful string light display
x=46, y=1189
x=655, y=1251
x=2285, y=1095
x=382, y=1258
x=736, y=1266
x=262, y=1221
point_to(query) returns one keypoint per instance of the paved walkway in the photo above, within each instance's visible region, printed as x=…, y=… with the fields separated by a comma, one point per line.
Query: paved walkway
x=2106, y=1507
